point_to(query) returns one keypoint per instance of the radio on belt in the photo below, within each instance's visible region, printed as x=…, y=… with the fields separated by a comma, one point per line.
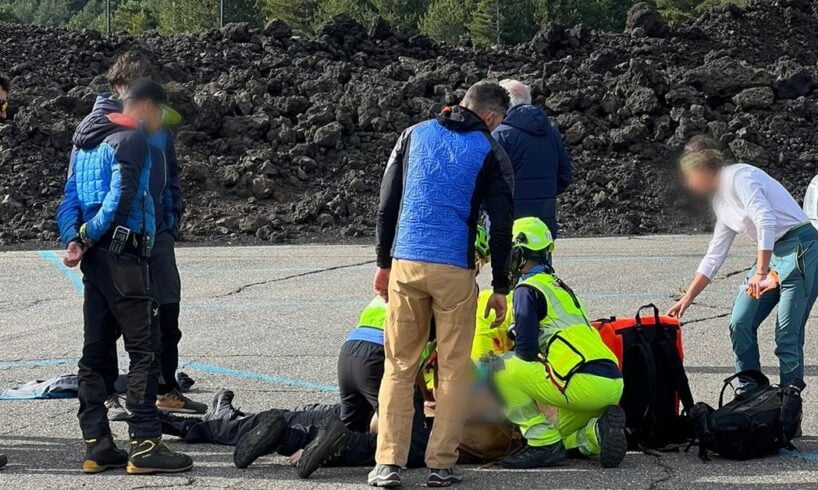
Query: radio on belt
x=119, y=240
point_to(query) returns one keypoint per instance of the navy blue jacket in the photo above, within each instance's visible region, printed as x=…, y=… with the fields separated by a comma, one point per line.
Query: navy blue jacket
x=542, y=168
x=107, y=183
x=442, y=172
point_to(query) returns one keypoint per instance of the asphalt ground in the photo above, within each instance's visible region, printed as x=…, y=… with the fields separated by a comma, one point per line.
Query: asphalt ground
x=268, y=322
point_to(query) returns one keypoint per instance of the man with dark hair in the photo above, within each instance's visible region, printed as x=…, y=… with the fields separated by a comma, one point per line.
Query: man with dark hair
x=107, y=223
x=165, y=188
x=442, y=172
x=5, y=88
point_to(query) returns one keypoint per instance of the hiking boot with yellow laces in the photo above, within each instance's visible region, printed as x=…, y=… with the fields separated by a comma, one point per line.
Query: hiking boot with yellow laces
x=102, y=454
x=149, y=456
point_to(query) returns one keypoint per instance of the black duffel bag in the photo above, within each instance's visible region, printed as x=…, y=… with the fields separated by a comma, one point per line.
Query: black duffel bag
x=757, y=423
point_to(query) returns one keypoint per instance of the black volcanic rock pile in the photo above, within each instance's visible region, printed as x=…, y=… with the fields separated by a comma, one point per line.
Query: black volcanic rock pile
x=286, y=138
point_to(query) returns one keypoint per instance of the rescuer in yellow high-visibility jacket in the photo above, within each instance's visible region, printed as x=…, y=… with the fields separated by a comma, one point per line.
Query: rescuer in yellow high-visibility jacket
x=559, y=360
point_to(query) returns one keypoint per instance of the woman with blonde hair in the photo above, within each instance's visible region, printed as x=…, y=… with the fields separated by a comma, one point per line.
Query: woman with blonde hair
x=747, y=200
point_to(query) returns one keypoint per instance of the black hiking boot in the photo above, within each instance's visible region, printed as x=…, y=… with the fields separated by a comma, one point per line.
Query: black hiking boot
x=102, y=454
x=610, y=432
x=444, y=478
x=328, y=445
x=384, y=475
x=222, y=407
x=149, y=456
x=263, y=439
x=536, y=457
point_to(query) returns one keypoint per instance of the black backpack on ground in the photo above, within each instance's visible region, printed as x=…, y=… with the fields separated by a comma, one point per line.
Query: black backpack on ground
x=650, y=351
x=757, y=423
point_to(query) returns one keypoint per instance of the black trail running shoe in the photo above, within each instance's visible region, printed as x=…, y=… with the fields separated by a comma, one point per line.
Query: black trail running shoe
x=263, y=439
x=328, y=445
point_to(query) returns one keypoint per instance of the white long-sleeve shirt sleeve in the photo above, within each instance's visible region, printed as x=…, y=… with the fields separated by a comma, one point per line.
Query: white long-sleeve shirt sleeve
x=717, y=250
x=750, y=191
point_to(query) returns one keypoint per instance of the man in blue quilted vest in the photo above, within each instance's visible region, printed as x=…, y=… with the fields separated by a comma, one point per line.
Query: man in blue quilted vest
x=440, y=176
x=107, y=223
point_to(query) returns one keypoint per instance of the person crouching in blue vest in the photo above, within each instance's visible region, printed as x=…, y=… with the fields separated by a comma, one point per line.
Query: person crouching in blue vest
x=107, y=223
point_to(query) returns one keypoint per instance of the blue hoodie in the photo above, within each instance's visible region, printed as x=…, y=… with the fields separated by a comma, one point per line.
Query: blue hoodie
x=542, y=168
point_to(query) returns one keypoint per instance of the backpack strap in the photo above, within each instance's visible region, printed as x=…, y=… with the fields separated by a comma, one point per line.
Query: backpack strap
x=677, y=370
x=649, y=367
x=756, y=376
x=638, y=317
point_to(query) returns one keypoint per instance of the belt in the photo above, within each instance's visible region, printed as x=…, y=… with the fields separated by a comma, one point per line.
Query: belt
x=134, y=244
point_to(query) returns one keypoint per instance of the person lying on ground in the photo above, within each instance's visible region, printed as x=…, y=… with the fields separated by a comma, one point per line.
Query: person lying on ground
x=312, y=435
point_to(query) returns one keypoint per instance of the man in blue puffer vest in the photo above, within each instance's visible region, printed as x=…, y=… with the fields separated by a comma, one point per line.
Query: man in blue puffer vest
x=107, y=223
x=440, y=176
x=542, y=168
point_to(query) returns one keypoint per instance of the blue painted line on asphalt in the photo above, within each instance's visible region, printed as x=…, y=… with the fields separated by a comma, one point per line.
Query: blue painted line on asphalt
x=253, y=304
x=192, y=365
x=811, y=457
x=238, y=373
x=4, y=366
x=74, y=277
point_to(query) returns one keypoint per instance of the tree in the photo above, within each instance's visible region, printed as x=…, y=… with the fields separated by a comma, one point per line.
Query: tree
x=608, y=15
x=359, y=10
x=177, y=16
x=446, y=20
x=243, y=11
x=503, y=22
x=135, y=17
x=682, y=10
x=90, y=16
x=405, y=13
x=299, y=14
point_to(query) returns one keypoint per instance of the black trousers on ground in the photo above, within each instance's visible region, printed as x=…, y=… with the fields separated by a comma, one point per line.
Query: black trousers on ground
x=360, y=370
x=166, y=288
x=117, y=303
x=302, y=427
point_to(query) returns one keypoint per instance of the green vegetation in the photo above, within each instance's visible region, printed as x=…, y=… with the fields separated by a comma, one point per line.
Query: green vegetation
x=486, y=22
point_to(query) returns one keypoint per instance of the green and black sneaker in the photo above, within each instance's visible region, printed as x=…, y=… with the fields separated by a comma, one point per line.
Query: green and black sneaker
x=150, y=456
x=102, y=454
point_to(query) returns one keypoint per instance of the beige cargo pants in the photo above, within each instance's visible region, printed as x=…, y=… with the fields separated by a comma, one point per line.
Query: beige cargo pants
x=417, y=291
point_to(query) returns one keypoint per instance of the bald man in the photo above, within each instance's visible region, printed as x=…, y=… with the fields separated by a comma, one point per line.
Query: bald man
x=542, y=168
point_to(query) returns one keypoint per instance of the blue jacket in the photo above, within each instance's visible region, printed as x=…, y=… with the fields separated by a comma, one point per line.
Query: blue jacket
x=108, y=179
x=165, y=187
x=442, y=172
x=542, y=168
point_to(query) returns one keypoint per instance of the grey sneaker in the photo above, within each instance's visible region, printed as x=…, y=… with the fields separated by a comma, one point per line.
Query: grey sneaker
x=444, y=478
x=116, y=412
x=384, y=475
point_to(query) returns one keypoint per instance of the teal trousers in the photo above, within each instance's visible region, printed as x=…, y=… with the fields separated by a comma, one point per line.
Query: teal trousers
x=795, y=259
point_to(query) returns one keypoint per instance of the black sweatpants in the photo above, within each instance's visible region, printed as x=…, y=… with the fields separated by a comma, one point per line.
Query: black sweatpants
x=166, y=288
x=360, y=370
x=302, y=427
x=117, y=303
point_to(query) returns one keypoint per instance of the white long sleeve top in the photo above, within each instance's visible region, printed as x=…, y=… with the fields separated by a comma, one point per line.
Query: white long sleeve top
x=749, y=201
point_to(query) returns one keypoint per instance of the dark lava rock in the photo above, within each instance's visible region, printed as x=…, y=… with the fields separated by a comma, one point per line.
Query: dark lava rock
x=645, y=17
x=287, y=138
